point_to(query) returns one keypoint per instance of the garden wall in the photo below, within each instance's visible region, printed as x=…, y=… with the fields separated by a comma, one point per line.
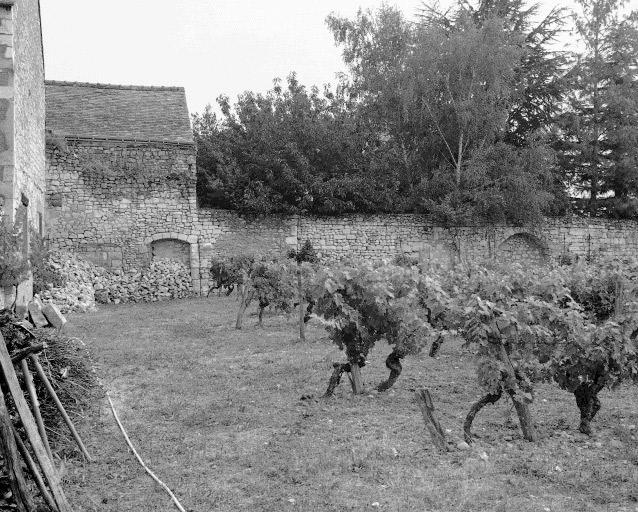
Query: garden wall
x=142, y=206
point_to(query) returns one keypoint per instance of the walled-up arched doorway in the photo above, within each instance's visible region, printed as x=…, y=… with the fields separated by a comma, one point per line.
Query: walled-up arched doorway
x=175, y=246
x=171, y=249
x=523, y=248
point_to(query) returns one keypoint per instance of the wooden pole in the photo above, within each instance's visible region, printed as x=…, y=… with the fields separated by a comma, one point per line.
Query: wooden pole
x=424, y=399
x=356, y=380
x=9, y=450
x=32, y=432
x=34, y=470
x=28, y=378
x=60, y=407
x=25, y=352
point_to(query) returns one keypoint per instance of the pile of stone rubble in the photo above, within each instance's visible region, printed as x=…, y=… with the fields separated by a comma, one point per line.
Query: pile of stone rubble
x=88, y=284
x=77, y=294
x=162, y=280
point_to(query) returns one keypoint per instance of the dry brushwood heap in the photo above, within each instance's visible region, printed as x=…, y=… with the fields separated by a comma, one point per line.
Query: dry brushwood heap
x=88, y=284
x=50, y=366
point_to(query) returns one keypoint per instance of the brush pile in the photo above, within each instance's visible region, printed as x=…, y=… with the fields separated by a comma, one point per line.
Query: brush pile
x=67, y=364
x=62, y=363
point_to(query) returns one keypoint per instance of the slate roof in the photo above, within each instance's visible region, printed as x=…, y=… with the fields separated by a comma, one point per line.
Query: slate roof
x=121, y=112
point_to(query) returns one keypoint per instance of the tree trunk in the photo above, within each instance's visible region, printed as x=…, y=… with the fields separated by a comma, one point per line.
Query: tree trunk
x=459, y=159
x=9, y=450
x=589, y=404
x=393, y=362
x=467, y=425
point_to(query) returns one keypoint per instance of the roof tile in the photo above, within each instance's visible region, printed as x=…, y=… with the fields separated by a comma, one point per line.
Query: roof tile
x=78, y=109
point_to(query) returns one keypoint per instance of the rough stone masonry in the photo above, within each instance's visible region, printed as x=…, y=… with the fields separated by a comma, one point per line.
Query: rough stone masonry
x=121, y=192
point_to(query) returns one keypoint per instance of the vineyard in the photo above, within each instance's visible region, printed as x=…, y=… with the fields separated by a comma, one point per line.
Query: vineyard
x=235, y=420
x=573, y=325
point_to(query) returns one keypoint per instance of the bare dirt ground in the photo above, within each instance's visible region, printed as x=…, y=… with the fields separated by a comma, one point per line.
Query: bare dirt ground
x=217, y=414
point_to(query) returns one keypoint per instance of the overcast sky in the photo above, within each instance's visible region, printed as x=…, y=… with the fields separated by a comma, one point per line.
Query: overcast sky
x=210, y=47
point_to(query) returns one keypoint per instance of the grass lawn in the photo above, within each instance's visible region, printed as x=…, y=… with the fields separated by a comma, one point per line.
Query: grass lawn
x=217, y=414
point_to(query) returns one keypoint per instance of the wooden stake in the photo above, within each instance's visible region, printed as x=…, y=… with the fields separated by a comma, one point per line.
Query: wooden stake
x=9, y=450
x=427, y=409
x=28, y=378
x=32, y=432
x=34, y=470
x=356, y=381
x=60, y=407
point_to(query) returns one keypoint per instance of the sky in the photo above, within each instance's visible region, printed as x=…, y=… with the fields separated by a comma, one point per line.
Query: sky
x=210, y=47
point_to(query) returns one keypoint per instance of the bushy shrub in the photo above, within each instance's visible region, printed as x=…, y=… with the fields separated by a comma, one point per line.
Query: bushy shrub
x=403, y=260
x=45, y=274
x=14, y=266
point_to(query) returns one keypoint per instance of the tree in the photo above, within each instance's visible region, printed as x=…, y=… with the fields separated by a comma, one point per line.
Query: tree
x=441, y=92
x=600, y=125
x=538, y=84
x=289, y=150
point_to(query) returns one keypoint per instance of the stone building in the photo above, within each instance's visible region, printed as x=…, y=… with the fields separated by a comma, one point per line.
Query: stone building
x=22, y=135
x=121, y=173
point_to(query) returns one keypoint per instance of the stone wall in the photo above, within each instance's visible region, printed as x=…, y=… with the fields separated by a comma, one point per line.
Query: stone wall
x=22, y=135
x=22, y=160
x=7, y=157
x=105, y=198
x=141, y=205
x=29, y=110
x=377, y=237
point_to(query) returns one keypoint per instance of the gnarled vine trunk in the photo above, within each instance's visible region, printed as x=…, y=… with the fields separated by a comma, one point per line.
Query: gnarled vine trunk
x=245, y=298
x=589, y=404
x=522, y=407
x=335, y=378
x=436, y=346
x=490, y=398
x=393, y=362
